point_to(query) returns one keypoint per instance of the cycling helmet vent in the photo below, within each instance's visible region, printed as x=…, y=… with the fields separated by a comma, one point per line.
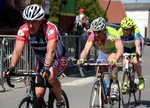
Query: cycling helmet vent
x=98, y=24
x=127, y=23
x=33, y=12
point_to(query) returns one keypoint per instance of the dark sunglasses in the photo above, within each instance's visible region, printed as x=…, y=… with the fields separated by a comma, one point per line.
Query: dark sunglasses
x=126, y=28
x=97, y=32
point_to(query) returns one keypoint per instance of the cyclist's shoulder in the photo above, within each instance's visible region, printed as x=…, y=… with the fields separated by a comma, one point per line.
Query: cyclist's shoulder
x=120, y=30
x=112, y=33
x=24, y=26
x=136, y=29
x=23, y=30
x=110, y=28
x=136, y=32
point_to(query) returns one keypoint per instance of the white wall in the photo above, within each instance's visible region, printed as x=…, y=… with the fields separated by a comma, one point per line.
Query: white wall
x=140, y=19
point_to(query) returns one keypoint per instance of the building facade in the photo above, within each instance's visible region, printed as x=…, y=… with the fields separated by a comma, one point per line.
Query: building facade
x=140, y=12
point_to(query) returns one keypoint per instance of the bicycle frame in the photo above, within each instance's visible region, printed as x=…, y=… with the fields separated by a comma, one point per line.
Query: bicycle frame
x=127, y=68
x=104, y=93
x=127, y=58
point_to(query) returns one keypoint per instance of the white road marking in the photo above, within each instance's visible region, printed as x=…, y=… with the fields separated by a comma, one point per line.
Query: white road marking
x=80, y=82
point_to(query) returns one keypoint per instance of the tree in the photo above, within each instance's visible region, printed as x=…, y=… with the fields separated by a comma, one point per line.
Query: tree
x=92, y=9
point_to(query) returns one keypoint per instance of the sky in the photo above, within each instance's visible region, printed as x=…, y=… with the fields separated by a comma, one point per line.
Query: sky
x=129, y=1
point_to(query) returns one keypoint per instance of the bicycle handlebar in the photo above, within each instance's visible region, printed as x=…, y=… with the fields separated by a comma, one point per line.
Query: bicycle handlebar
x=130, y=55
x=96, y=64
x=100, y=64
x=21, y=74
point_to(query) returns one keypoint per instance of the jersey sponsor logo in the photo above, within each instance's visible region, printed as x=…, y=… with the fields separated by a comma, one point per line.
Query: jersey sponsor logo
x=21, y=33
x=33, y=38
x=50, y=32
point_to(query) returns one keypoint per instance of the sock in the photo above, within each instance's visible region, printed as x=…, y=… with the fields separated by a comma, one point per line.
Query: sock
x=61, y=101
x=140, y=76
x=125, y=83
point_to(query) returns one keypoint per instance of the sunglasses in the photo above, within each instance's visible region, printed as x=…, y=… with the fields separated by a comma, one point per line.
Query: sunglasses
x=126, y=28
x=98, y=32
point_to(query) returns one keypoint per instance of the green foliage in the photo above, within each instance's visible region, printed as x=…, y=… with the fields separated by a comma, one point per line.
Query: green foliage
x=92, y=9
x=54, y=9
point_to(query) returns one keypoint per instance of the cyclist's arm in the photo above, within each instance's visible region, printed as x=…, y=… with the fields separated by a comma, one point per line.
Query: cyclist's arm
x=17, y=52
x=138, y=46
x=137, y=40
x=87, y=46
x=119, y=47
x=51, y=46
x=86, y=50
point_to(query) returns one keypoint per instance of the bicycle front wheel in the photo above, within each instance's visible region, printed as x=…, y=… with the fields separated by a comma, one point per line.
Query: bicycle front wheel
x=137, y=92
x=64, y=96
x=98, y=96
x=27, y=103
x=125, y=96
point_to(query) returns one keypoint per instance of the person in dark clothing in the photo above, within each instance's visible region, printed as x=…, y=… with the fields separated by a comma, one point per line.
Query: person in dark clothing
x=83, y=27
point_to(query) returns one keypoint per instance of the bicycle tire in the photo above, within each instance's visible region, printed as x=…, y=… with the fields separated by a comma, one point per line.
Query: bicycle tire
x=125, y=97
x=137, y=92
x=52, y=99
x=96, y=98
x=28, y=103
x=64, y=96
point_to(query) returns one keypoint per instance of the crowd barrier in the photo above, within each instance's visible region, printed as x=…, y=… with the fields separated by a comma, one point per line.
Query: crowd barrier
x=74, y=45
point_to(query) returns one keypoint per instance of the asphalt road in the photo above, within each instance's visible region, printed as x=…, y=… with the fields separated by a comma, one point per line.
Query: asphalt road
x=78, y=89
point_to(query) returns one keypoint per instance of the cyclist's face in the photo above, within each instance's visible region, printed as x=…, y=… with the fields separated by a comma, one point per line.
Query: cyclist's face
x=126, y=32
x=101, y=35
x=33, y=26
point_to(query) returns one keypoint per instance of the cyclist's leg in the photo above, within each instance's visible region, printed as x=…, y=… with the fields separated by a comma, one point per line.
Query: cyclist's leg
x=114, y=77
x=138, y=69
x=55, y=83
x=115, y=68
x=58, y=67
x=102, y=57
x=125, y=83
x=40, y=89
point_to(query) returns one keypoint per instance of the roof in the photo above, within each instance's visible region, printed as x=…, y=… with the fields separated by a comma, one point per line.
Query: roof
x=115, y=12
x=136, y=6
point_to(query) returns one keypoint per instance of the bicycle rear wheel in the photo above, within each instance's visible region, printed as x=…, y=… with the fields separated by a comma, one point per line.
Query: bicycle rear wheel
x=98, y=96
x=125, y=97
x=28, y=103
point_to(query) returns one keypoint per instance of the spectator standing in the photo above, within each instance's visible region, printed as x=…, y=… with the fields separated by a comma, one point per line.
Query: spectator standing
x=79, y=17
x=82, y=27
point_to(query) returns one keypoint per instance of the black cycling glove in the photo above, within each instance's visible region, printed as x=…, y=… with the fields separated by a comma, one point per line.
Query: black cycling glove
x=11, y=69
x=46, y=69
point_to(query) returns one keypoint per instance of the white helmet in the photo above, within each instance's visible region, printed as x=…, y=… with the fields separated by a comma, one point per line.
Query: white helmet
x=33, y=12
x=98, y=24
